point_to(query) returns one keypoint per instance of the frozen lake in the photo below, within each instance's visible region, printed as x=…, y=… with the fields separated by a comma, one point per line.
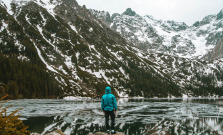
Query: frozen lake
x=174, y=116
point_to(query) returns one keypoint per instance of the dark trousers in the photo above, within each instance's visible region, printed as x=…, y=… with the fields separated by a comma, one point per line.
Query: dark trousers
x=112, y=115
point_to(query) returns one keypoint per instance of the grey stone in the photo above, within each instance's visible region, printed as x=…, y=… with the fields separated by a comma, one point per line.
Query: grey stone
x=103, y=133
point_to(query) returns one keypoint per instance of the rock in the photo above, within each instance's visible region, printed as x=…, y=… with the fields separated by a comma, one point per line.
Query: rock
x=220, y=15
x=129, y=12
x=56, y=132
x=103, y=133
x=35, y=134
x=216, y=53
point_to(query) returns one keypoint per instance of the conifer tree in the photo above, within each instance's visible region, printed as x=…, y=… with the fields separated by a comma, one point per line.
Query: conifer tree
x=10, y=124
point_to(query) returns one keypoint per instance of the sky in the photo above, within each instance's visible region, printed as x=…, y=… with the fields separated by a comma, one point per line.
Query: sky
x=188, y=11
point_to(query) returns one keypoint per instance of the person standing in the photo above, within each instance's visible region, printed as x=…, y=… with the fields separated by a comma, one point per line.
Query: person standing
x=109, y=107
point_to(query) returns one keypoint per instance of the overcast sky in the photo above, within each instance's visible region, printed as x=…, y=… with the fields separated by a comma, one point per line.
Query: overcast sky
x=188, y=11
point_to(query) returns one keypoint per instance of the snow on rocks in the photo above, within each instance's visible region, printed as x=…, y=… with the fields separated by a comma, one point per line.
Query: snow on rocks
x=122, y=94
x=7, y=3
x=91, y=30
x=185, y=96
x=43, y=60
x=173, y=37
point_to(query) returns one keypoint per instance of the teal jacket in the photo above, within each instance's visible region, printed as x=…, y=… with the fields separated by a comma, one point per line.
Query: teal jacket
x=108, y=101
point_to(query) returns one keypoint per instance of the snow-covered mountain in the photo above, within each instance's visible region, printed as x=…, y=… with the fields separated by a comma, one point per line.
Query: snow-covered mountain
x=84, y=55
x=169, y=37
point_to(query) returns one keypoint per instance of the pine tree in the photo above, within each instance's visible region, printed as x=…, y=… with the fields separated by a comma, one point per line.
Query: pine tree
x=11, y=124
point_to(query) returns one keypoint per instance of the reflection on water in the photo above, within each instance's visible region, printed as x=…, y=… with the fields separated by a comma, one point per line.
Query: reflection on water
x=135, y=116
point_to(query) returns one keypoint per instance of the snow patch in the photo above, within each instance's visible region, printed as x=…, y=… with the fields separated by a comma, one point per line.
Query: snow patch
x=73, y=28
x=76, y=98
x=7, y=3
x=41, y=57
x=123, y=72
x=91, y=30
x=185, y=96
x=122, y=94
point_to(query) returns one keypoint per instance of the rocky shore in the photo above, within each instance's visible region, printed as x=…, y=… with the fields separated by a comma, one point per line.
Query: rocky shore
x=59, y=132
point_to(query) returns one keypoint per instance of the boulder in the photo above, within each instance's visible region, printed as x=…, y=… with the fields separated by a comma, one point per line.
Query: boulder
x=103, y=133
x=57, y=132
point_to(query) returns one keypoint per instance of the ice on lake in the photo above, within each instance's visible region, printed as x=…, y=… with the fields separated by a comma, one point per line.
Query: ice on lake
x=135, y=116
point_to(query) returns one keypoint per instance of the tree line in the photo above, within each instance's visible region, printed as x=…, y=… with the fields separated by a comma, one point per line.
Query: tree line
x=26, y=80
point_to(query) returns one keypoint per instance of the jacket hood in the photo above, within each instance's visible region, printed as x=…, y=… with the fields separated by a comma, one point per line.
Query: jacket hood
x=107, y=90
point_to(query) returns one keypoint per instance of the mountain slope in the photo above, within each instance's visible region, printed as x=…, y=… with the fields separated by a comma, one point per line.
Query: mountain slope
x=83, y=55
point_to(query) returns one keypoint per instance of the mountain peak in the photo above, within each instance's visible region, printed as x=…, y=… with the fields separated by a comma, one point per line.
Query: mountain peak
x=220, y=15
x=129, y=12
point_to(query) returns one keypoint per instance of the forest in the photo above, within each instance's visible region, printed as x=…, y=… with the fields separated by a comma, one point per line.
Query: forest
x=25, y=80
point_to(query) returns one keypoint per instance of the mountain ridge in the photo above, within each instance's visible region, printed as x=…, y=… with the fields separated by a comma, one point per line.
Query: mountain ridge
x=84, y=55
x=170, y=37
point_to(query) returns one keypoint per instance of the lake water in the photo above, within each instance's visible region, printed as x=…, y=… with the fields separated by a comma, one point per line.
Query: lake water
x=135, y=116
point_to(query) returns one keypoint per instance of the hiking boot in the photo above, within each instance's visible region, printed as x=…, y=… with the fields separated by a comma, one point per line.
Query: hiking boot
x=113, y=132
